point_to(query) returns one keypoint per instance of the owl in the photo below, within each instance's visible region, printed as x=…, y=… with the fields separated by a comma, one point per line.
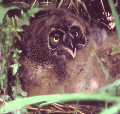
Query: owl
x=57, y=56
x=48, y=43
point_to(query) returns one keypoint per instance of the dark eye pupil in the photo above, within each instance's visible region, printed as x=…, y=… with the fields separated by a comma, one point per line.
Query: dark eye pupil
x=79, y=38
x=54, y=38
x=75, y=31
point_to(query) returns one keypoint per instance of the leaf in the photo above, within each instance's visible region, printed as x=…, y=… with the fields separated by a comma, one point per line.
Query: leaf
x=15, y=68
x=18, y=92
x=4, y=10
x=112, y=110
x=117, y=19
x=112, y=89
x=33, y=11
x=24, y=20
x=58, y=98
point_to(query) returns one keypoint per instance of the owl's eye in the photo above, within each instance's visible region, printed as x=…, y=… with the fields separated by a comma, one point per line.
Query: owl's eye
x=79, y=38
x=75, y=31
x=55, y=38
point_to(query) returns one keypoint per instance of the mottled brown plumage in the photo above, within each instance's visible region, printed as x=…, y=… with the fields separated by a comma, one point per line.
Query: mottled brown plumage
x=48, y=68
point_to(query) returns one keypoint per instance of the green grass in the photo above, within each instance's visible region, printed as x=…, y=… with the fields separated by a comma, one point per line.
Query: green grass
x=58, y=98
x=115, y=14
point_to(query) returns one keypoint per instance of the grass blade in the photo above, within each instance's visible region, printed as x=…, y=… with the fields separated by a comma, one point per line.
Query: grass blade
x=58, y=98
x=117, y=19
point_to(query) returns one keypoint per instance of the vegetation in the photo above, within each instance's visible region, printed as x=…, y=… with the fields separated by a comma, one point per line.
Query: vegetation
x=16, y=103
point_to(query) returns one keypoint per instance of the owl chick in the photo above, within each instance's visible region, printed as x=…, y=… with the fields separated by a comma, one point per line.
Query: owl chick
x=49, y=43
x=55, y=57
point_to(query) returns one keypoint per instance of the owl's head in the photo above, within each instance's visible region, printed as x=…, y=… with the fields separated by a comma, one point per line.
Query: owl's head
x=56, y=33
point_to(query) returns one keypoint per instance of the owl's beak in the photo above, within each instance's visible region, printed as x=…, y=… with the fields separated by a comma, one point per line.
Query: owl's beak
x=71, y=52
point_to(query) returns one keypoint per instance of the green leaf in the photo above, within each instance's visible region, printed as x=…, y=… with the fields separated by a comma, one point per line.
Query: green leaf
x=15, y=68
x=4, y=10
x=58, y=98
x=112, y=110
x=33, y=11
x=112, y=89
x=24, y=20
x=115, y=14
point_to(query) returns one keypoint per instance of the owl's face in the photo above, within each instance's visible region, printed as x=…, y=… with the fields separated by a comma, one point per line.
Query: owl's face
x=56, y=34
x=66, y=38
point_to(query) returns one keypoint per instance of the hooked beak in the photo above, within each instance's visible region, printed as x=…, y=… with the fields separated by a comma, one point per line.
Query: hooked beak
x=72, y=53
x=69, y=45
